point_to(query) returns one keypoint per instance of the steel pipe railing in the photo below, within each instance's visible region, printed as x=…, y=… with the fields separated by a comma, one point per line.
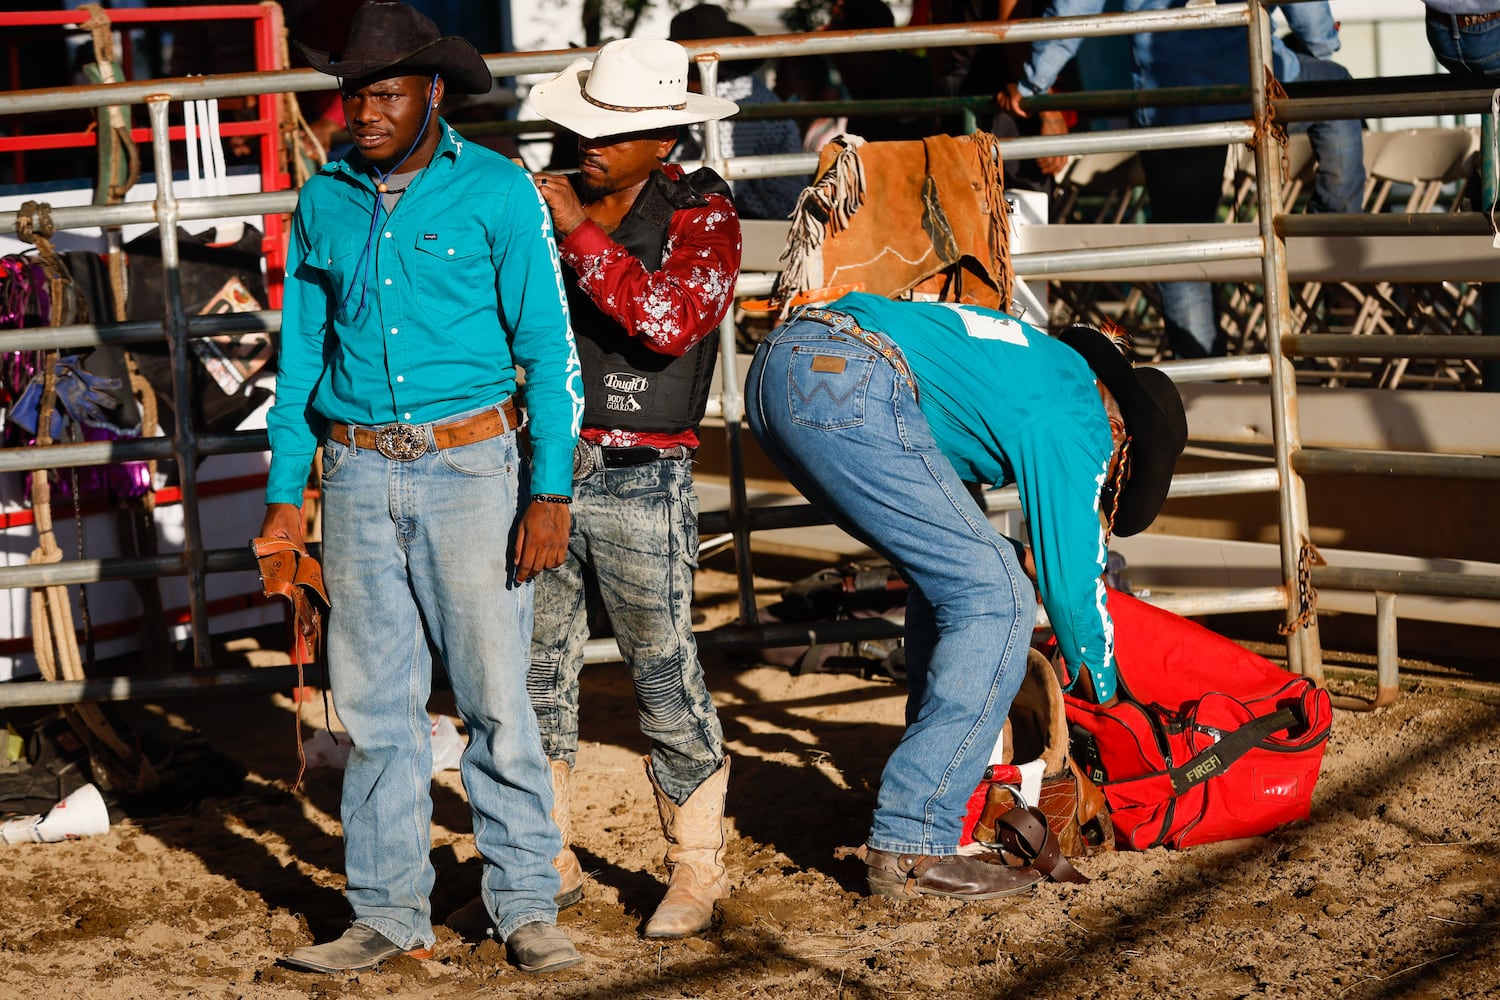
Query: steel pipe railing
x=1065, y=261
x=133, y=212
x=1396, y=463
x=78, y=571
x=73, y=456
x=185, y=439
x=1304, y=652
x=822, y=43
x=141, y=331
x=1399, y=345
x=1398, y=581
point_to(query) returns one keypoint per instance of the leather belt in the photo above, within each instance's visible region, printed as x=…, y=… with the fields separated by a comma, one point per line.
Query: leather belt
x=1469, y=20
x=408, y=442
x=589, y=458
x=844, y=323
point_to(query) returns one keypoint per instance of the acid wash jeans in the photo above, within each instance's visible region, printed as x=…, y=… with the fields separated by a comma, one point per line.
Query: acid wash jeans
x=857, y=446
x=635, y=529
x=418, y=552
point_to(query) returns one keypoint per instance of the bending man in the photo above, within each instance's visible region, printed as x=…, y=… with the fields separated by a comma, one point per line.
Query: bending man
x=880, y=412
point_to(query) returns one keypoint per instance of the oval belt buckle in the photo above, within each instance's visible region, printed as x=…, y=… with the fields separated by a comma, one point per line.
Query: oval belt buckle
x=400, y=442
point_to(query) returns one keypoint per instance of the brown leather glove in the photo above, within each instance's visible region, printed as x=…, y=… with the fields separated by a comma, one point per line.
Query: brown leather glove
x=288, y=571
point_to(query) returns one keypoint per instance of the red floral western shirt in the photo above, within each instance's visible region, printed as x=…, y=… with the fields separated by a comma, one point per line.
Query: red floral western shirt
x=669, y=309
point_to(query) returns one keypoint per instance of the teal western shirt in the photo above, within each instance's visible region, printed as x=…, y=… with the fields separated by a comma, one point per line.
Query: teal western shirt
x=1009, y=404
x=460, y=284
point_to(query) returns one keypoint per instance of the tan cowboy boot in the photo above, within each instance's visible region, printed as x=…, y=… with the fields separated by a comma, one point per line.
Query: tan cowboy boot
x=695, y=856
x=566, y=861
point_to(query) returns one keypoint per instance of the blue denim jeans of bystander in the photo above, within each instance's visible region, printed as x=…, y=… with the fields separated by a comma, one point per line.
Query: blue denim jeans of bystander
x=848, y=433
x=1339, y=183
x=1471, y=51
x=416, y=558
x=635, y=530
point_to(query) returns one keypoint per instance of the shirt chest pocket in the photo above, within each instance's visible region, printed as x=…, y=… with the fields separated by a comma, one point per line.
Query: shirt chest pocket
x=337, y=261
x=451, y=270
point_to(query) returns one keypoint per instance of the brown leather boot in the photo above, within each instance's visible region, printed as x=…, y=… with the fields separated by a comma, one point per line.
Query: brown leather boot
x=566, y=861
x=696, y=876
x=956, y=876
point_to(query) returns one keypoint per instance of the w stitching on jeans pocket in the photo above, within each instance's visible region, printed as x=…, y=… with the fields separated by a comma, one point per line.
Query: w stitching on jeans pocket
x=828, y=396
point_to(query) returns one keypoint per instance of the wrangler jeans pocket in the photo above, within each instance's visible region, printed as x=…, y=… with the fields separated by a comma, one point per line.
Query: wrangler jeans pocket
x=827, y=387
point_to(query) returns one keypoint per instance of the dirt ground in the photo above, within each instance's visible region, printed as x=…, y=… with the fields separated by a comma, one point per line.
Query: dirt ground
x=1391, y=890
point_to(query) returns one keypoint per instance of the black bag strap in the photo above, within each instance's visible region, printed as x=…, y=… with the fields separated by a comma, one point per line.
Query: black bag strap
x=1217, y=758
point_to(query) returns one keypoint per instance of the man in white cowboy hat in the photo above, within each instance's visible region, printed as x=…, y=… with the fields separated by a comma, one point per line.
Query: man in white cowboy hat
x=421, y=272
x=651, y=256
x=880, y=412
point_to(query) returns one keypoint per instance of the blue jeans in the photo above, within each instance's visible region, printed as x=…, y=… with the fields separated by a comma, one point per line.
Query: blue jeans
x=1339, y=183
x=851, y=437
x=1185, y=185
x=635, y=532
x=1472, y=51
x=416, y=558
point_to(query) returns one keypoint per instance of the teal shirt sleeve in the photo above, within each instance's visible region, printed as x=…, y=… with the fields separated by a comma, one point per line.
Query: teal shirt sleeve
x=534, y=310
x=1060, y=496
x=294, y=427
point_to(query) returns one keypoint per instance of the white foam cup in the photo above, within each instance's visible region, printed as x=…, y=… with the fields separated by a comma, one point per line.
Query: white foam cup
x=81, y=814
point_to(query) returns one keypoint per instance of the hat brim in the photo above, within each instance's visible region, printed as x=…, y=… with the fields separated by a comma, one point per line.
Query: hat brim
x=1154, y=418
x=453, y=58
x=560, y=100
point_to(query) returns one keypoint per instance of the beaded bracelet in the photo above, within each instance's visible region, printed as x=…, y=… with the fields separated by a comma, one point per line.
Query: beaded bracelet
x=550, y=498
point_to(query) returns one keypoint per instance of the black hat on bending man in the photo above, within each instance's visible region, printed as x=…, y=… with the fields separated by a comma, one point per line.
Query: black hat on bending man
x=395, y=39
x=1154, y=419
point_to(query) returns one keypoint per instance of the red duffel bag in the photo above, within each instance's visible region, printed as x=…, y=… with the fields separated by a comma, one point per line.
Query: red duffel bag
x=1208, y=741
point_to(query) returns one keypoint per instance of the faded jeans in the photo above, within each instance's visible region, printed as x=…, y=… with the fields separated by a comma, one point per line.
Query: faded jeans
x=416, y=558
x=635, y=531
x=856, y=444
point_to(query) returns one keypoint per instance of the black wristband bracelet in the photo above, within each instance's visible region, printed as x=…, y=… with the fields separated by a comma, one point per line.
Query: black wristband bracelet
x=550, y=498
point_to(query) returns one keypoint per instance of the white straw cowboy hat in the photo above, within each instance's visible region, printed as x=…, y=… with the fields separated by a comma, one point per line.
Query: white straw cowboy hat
x=632, y=85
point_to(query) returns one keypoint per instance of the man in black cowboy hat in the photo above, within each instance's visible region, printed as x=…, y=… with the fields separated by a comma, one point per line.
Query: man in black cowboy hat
x=421, y=272
x=881, y=413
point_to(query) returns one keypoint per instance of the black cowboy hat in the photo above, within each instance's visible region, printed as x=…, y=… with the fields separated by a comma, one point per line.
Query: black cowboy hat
x=707, y=20
x=1154, y=419
x=394, y=39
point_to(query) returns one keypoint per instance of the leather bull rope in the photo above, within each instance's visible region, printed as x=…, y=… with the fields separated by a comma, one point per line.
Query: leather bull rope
x=116, y=764
x=119, y=170
x=289, y=572
x=921, y=218
x=114, y=138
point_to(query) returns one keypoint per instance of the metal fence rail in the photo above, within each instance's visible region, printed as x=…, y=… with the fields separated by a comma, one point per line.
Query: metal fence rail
x=1268, y=246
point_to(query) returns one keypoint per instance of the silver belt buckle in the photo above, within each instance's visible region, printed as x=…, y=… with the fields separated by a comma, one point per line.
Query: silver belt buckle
x=585, y=460
x=401, y=442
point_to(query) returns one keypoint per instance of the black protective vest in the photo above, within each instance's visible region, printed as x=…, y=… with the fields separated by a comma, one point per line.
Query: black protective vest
x=626, y=384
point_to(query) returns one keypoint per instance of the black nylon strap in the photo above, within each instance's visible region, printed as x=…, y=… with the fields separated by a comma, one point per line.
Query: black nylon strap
x=1217, y=758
